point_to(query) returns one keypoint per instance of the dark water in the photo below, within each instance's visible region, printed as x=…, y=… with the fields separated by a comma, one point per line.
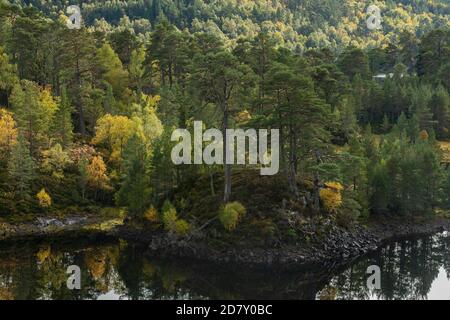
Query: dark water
x=410, y=269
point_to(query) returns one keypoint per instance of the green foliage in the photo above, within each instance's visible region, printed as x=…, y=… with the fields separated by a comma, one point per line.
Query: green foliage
x=446, y=190
x=407, y=178
x=354, y=62
x=111, y=69
x=172, y=223
x=292, y=24
x=167, y=206
x=135, y=188
x=21, y=169
x=34, y=109
x=360, y=108
x=349, y=213
x=54, y=161
x=62, y=127
x=170, y=219
x=230, y=214
x=182, y=227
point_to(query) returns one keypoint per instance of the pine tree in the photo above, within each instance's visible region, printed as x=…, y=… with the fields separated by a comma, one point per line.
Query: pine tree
x=62, y=125
x=222, y=79
x=135, y=190
x=348, y=119
x=21, y=168
x=111, y=69
x=440, y=106
x=386, y=126
x=34, y=109
x=77, y=61
x=421, y=100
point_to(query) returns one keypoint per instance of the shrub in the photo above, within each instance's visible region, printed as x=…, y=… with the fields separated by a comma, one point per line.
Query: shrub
x=44, y=199
x=291, y=234
x=349, y=213
x=331, y=196
x=151, y=215
x=182, y=227
x=230, y=215
x=167, y=206
x=171, y=222
x=264, y=228
x=170, y=219
x=346, y=218
x=423, y=135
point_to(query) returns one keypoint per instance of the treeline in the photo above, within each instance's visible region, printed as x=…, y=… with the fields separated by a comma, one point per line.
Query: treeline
x=294, y=24
x=87, y=118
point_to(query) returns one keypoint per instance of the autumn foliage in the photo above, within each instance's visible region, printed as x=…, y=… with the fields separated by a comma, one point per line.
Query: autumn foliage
x=96, y=174
x=172, y=223
x=8, y=131
x=44, y=199
x=331, y=196
x=230, y=215
x=151, y=215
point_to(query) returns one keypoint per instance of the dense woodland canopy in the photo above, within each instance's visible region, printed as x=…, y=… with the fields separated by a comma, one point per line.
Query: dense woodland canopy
x=87, y=114
x=294, y=24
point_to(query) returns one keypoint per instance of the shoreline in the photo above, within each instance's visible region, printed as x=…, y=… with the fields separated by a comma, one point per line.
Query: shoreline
x=69, y=227
x=333, y=250
x=339, y=248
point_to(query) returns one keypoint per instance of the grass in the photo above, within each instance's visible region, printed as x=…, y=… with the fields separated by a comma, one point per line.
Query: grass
x=105, y=225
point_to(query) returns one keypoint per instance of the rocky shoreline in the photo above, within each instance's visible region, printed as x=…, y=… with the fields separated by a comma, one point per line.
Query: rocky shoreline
x=337, y=248
x=70, y=227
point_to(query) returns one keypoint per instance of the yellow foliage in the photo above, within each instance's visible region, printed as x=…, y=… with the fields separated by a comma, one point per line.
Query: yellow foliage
x=172, y=224
x=148, y=125
x=169, y=219
x=96, y=263
x=8, y=131
x=49, y=105
x=445, y=147
x=334, y=185
x=151, y=215
x=112, y=69
x=114, y=131
x=43, y=254
x=96, y=174
x=328, y=293
x=331, y=196
x=44, y=199
x=243, y=116
x=230, y=215
x=182, y=227
x=6, y=294
x=423, y=135
x=55, y=160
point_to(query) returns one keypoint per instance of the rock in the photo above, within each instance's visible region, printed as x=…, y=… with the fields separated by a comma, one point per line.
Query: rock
x=45, y=223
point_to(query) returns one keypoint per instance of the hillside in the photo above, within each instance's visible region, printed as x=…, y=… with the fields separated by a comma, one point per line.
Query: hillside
x=88, y=115
x=296, y=24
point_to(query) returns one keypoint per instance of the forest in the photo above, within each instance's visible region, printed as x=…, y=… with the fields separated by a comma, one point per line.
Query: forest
x=87, y=114
x=294, y=24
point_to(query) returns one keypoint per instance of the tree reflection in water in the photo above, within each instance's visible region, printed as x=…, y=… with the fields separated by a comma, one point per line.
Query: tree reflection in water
x=408, y=270
x=121, y=271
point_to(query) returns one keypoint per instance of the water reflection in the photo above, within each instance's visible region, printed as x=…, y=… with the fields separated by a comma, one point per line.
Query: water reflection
x=412, y=269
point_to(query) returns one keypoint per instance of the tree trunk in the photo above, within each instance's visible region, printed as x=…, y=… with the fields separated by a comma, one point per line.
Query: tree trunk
x=316, y=190
x=227, y=167
x=211, y=182
x=79, y=102
x=292, y=169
